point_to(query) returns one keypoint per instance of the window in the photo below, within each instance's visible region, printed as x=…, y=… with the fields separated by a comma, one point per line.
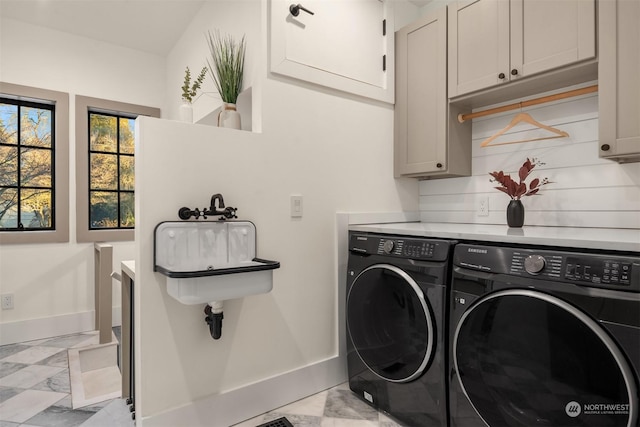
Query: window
x=111, y=171
x=105, y=134
x=34, y=137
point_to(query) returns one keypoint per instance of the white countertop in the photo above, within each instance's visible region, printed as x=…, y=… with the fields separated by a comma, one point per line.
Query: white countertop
x=616, y=239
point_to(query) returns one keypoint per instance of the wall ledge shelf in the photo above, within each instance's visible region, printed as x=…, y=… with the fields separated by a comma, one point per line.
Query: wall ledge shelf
x=207, y=107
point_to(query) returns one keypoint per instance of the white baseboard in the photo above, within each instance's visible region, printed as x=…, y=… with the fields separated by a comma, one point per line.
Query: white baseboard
x=49, y=327
x=234, y=406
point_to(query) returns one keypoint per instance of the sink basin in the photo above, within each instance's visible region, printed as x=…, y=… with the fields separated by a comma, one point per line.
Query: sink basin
x=207, y=261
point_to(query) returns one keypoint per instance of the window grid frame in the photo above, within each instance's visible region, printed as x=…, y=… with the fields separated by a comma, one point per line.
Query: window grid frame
x=20, y=103
x=85, y=104
x=118, y=154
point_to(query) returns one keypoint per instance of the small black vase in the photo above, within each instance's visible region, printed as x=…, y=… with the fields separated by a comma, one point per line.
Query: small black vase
x=515, y=213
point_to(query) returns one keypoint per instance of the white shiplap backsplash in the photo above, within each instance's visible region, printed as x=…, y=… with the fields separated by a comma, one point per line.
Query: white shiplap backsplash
x=586, y=191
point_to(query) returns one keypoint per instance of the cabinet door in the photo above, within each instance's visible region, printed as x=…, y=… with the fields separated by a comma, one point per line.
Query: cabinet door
x=619, y=79
x=478, y=45
x=343, y=45
x=547, y=34
x=420, y=114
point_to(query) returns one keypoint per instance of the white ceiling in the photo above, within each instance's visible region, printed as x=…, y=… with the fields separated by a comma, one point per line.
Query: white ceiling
x=147, y=25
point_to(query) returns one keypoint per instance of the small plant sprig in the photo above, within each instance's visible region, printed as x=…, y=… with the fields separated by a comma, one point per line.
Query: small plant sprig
x=520, y=189
x=189, y=90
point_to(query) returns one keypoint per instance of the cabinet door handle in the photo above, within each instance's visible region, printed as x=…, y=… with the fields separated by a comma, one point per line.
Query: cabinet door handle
x=438, y=165
x=514, y=72
x=501, y=76
x=605, y=147
x=296, y=8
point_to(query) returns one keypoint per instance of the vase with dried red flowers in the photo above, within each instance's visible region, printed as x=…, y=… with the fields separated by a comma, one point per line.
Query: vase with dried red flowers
x=517, y=190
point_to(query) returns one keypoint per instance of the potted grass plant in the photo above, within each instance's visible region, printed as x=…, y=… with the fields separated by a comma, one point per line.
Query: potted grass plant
x=226, y=66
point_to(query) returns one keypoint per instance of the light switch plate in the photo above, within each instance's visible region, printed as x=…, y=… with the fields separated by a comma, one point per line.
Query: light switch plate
x=296, y=206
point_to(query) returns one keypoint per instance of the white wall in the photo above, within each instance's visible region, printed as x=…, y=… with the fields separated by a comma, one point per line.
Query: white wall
x=53, y=283
x=586, y=191
x=334, y=149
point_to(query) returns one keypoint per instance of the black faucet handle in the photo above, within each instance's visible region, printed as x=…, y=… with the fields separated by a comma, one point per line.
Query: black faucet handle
x=229, y=213
x=184, y=213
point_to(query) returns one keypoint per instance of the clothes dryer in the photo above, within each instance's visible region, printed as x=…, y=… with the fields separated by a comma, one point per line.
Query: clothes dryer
x=396, y=319
x=544, y=337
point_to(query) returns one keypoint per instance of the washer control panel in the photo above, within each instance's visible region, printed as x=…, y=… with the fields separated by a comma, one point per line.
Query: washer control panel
x=601, y=270
x=406, y=248
x=607, y=270
x=400, y=246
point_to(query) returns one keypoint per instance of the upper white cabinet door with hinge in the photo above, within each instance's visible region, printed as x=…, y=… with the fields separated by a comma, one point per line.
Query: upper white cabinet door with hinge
x=547, y=34
x=341, y=45
x=478, y=45
x=421, y=96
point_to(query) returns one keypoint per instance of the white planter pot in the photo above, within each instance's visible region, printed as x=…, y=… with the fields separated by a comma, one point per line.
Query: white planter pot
x=186, y=112
x=229, y=117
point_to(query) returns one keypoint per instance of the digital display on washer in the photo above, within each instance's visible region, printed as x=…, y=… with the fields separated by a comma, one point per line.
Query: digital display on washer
x=418, y=249
x=612, y=272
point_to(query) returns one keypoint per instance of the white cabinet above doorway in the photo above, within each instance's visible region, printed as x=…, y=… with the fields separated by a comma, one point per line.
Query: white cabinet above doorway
x=346, y=45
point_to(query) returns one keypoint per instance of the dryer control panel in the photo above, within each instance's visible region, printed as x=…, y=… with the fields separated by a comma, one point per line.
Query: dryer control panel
x=400, y=246
x=611, y=271
x=599, y=270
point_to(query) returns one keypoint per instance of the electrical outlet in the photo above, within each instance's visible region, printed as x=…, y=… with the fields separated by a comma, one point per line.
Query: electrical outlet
x=7, y=301
x=483, y=206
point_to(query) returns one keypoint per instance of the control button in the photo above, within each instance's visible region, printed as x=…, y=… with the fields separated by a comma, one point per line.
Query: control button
x=534, y=264
x=388, y=246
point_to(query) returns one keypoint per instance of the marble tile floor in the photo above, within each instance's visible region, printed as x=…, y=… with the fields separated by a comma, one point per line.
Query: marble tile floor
x=35, y=388
x=336, y=407
x=35, y=392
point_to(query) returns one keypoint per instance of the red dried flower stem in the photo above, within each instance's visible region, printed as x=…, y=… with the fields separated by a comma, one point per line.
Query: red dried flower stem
x=519, y=189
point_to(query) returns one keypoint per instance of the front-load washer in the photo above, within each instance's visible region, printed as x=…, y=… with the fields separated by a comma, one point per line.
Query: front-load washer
x=395, y=311
x=544, y=337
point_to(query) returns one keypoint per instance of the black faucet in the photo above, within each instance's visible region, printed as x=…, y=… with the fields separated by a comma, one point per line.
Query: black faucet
x=226, y=212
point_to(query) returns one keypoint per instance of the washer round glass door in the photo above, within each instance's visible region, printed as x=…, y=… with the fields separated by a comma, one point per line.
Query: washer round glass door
x=390, y=323
x=527, y=358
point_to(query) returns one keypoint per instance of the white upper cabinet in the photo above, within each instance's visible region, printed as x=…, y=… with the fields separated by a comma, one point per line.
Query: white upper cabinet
x=421, y=96
x=492, y=42
x=619, y=79
x=343, y=44
x=428, y=139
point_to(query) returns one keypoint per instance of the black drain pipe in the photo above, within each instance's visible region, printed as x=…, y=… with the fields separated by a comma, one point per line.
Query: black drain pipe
x=214, y=319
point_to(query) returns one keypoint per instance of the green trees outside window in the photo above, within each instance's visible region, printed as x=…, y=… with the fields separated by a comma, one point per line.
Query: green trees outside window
x=27, y=150
x=111, y=171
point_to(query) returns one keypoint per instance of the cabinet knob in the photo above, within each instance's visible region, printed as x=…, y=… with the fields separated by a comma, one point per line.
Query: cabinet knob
x=514, y=72
x=605, y=147
x=501, y=76
x=438, y=165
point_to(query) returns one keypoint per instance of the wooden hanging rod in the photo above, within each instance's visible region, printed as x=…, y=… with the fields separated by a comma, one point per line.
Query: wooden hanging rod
x=562, y=95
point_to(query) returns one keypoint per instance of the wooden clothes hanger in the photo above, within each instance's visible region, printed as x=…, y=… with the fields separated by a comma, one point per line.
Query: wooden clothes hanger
x=524, y=117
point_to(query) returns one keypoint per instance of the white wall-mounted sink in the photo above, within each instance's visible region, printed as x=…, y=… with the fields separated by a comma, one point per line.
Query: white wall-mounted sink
x=207, y=261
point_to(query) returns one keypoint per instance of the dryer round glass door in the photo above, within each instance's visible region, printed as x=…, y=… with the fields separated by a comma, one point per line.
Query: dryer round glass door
x=390, y=323
x=527, y=358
